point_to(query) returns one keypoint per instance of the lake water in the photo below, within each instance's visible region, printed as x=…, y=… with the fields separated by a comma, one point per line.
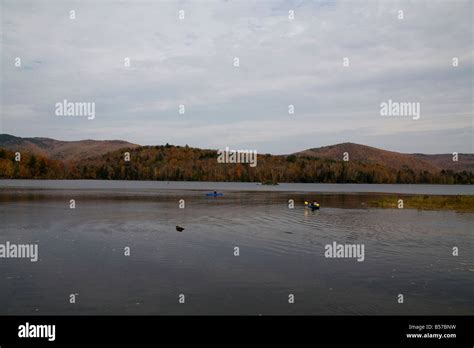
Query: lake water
x=142, y=186
x=81, y=250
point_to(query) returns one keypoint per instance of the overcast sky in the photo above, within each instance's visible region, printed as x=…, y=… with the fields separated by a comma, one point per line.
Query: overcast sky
x=190, y=61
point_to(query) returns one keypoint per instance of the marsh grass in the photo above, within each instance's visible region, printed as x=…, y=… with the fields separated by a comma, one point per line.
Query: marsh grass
x=461, y=203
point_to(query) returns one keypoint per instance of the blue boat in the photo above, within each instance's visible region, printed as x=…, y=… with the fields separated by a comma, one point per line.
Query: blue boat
x=214, y=194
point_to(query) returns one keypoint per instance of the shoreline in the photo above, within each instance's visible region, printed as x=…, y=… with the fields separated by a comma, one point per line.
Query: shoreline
x=316, y=188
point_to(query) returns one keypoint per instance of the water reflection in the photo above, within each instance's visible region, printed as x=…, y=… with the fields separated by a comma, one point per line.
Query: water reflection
x=281, y=252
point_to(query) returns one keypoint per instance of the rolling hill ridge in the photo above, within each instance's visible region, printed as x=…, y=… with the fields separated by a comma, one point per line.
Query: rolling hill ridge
x=391, y=159
x=43, y=158
x=62, y=150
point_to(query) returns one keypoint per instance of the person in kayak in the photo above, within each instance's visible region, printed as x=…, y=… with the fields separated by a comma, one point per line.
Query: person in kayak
x=214, y=194
x=314, y=205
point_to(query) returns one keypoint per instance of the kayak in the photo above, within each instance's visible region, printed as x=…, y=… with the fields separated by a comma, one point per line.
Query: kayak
x=214, y=194
x=312, y=206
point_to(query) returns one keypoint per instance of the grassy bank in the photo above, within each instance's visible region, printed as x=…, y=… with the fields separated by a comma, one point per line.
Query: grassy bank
x=426, y=202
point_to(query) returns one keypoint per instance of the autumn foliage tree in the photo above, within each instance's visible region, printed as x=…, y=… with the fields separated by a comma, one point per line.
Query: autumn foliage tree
x=184, y=163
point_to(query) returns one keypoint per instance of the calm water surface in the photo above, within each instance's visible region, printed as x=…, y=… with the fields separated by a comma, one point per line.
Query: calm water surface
x=240, y=186
x=281, y=250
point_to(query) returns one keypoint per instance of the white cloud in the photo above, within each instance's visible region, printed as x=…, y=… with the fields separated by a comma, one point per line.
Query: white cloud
x=282, y=61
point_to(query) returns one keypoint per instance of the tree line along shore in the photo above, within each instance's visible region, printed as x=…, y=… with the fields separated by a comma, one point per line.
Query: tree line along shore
x=182, y=163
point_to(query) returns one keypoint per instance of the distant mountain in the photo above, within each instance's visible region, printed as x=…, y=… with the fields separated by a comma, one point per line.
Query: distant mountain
x=391, y=159
x=445, y=161
x=62, y=150
x=43, y=158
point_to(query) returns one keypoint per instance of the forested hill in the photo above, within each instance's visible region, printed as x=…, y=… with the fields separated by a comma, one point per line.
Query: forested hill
x=61, y=150
x=395, y=160
x=184, y=163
